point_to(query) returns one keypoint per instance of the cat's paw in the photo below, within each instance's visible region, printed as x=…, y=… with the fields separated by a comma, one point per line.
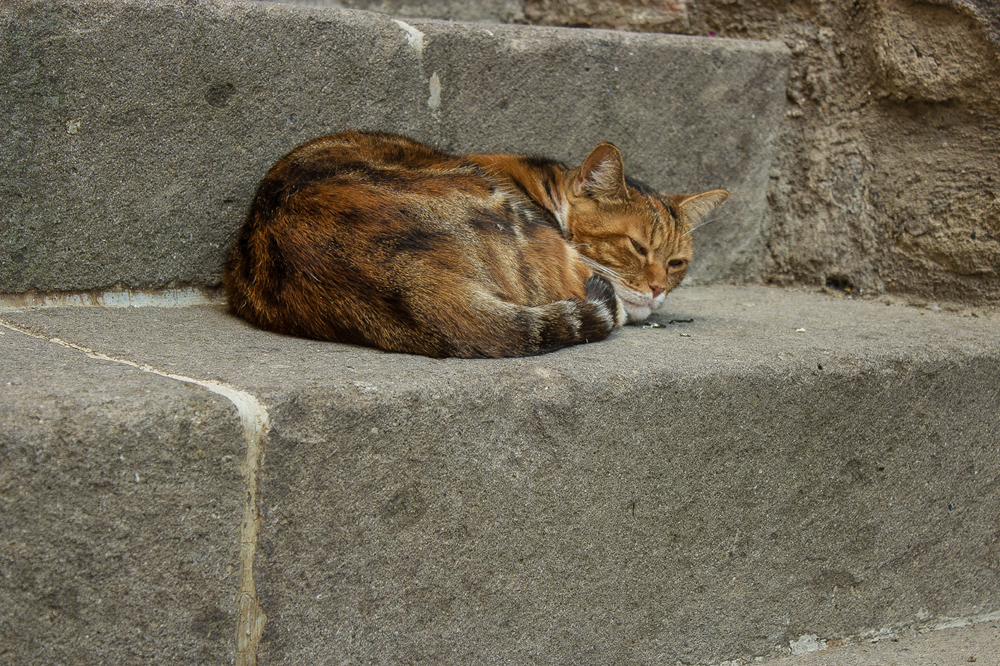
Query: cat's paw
x=600, y=290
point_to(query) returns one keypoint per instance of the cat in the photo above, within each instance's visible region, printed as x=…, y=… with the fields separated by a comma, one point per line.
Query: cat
x=379, y=240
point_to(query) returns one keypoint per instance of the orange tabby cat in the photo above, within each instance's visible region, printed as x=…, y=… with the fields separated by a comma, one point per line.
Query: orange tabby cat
x=378, y=240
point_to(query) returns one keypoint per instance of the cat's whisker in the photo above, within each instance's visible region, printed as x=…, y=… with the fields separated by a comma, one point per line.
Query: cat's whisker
x=603, y=270
x=703, y=224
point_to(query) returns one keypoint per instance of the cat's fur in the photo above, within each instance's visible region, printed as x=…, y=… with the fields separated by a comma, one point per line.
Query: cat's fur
x=378, y=240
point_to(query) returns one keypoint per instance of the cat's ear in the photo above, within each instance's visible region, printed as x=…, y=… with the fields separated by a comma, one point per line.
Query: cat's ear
x=602, y=175
x=693, y=207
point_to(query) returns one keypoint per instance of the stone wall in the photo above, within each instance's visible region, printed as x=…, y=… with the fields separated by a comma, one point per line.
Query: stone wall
x=886, y=174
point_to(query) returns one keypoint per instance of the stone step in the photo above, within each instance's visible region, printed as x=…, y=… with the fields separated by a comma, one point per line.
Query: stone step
x=766, y=467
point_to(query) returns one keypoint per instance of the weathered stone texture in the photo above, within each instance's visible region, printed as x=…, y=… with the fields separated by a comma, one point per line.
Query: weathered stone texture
x=647, y=15
x=485, y=11
x=120, y=503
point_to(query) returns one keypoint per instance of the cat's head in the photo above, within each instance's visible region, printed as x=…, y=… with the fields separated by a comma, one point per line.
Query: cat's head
x=640, y=238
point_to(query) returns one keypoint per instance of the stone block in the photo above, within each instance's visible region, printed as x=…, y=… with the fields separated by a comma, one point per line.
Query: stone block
x=121, y=499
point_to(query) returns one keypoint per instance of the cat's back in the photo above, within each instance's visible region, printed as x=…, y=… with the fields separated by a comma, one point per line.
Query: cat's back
x=380, y=240
x=373, y=159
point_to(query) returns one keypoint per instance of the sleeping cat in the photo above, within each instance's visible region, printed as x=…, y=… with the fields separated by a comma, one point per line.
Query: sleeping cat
x=379, y=240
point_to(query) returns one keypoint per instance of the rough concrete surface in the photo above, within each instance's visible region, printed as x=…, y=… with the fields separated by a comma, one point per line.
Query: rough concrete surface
x=120, y=502
x=485, y=11
x=134, y=132
x=784, y=465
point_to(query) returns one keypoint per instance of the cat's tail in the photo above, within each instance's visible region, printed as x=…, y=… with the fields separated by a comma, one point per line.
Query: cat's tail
x=547, y=328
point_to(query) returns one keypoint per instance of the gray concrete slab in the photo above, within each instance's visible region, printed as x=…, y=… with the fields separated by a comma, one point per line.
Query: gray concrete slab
x=120, y=505
x=782, y=465
x=133, y=133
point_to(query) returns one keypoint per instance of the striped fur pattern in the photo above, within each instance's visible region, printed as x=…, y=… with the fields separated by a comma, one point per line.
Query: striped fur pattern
x=378, y=240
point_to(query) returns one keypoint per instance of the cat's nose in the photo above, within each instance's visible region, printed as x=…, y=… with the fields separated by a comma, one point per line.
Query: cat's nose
x=656, y=290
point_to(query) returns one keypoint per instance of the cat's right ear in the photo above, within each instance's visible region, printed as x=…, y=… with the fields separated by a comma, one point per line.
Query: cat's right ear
x=602, y=175
x=697, y=206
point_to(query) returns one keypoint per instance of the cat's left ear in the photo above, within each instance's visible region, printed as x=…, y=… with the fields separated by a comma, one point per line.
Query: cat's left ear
x=696, y=206
x=602, y=175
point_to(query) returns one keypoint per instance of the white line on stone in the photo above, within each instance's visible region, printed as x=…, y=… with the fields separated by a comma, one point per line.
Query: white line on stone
x=414, y=37
x=434, y=101
x=125, y=298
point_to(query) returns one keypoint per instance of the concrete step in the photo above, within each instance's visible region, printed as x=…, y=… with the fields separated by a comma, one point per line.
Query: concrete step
x=133, y=133
x=767, y=467
x=120, y=499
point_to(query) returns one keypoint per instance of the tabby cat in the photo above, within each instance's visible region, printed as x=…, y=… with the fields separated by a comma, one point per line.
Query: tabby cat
x=379, y=240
